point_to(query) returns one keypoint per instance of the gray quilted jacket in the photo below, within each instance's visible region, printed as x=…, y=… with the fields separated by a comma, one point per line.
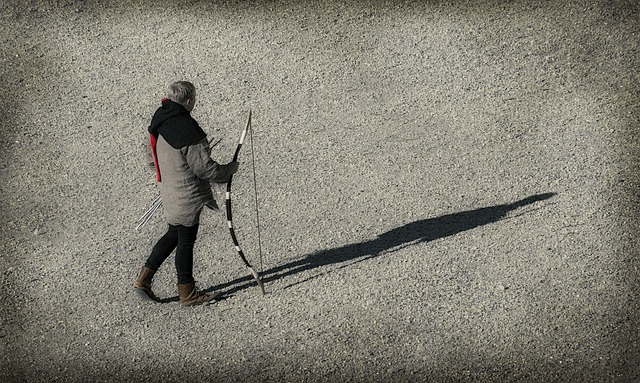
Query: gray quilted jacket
x=186, y=174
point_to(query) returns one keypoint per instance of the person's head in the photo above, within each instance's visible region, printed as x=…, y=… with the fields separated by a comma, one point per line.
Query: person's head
x=184, y=93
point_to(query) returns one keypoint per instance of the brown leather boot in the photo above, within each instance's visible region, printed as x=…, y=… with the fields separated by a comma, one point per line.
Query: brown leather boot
x=190, y=296
x=142, y=286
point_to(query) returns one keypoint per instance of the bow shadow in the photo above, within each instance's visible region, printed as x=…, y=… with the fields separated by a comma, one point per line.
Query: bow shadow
x=412, y=233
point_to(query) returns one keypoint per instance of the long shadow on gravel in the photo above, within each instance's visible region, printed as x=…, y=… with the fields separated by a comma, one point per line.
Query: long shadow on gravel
x=412, y=233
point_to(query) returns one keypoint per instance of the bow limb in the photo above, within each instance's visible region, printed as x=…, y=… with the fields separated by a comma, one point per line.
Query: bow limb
x=232, y=231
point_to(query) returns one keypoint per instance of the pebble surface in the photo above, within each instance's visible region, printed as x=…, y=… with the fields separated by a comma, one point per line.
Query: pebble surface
x=448, y=191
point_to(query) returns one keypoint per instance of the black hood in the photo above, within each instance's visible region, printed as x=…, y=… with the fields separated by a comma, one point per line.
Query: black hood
x=175, y=124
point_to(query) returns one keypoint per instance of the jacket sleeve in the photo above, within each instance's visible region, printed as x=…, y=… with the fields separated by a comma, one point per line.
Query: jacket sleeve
x=198, y=156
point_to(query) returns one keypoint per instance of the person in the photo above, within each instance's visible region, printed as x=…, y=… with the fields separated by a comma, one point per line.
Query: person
x=184, y=169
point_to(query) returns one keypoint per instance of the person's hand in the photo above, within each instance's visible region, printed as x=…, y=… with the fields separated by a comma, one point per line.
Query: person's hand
x=233, y=167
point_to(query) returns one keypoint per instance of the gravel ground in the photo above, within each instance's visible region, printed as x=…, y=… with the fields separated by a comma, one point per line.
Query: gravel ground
x=448, y=191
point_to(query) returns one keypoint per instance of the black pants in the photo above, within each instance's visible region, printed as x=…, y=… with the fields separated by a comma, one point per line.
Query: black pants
x=181, y=239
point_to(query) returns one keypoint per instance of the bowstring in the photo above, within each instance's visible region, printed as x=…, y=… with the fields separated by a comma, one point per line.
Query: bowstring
x=255, y=193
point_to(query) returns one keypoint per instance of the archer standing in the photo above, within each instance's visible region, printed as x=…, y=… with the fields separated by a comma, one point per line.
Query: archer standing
x=184, y=169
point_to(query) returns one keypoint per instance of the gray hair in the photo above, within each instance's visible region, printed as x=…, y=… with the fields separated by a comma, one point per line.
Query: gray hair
x=181, y=91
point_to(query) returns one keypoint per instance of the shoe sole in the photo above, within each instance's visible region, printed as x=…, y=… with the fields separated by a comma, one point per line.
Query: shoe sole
x=142, y=293
x=212, y=299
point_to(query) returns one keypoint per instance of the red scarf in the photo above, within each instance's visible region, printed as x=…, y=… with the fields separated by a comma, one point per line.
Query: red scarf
x=155, y=155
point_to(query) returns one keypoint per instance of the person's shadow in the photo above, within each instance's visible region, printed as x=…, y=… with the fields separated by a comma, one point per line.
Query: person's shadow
x=424, y=230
